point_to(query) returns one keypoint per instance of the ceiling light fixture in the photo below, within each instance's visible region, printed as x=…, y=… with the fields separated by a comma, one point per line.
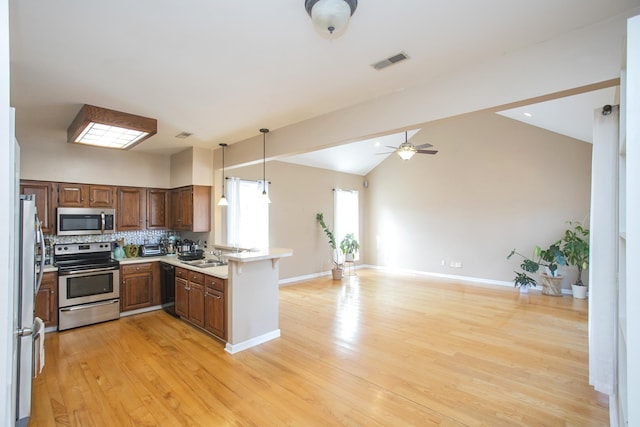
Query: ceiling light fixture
x=223, y=200
x=265, y=196
x=406, y=149
x=102, y=127
x=330, y=17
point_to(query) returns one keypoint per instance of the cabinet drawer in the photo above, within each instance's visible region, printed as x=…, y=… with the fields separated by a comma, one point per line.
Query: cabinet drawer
x=195, y=277
x=214, y=283
x=182, y=273
x=136, y=268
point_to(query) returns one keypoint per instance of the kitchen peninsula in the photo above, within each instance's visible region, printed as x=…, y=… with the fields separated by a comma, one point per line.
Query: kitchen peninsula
x=250, y=295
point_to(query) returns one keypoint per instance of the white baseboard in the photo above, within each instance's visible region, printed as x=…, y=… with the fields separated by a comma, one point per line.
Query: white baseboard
x=452, y=277
x=235, y=348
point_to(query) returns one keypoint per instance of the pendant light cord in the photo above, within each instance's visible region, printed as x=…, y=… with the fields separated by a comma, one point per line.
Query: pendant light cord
x=264, y=155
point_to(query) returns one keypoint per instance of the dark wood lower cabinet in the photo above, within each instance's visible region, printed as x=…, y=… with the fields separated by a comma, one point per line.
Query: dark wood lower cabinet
x=46, y=303
x=200, y=301
x=140, y=286
x=215, y=319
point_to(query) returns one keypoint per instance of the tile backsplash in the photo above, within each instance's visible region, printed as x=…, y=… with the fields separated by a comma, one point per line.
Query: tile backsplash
x=134, y=237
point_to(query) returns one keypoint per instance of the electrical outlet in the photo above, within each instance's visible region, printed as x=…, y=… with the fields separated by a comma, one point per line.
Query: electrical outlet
x=457, y=264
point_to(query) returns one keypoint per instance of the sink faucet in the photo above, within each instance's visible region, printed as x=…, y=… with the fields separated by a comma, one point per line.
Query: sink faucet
x=217, y=254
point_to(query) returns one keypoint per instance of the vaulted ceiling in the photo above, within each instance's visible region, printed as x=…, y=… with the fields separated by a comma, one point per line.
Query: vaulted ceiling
x=223, y=69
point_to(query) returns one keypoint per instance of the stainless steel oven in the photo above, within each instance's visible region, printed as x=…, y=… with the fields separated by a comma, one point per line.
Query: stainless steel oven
x=88, y=284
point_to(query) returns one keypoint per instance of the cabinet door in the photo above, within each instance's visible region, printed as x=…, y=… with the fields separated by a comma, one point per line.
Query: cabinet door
x=196, y=304
x=44, y=202
x=157, y=209
x=101, y=196
x=186, y=210
x=137, y=286
x=200, y=209
x=131, y=209
x=174, y=201
x=46, y=302
x=214, y=312
x=182, y=297
x=72, y=195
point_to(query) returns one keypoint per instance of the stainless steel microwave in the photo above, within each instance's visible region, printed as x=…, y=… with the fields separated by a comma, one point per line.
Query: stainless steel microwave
x=83, y=221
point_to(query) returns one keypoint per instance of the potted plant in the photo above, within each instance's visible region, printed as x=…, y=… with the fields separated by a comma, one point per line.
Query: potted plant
x=336, y=272
x=349, y=246
x=523, y=281
x=550, y=259
x=576, y=251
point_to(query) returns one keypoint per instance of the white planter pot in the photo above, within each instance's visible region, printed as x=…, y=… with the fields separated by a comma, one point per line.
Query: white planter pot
x=349, y=257
x=579, y=292
x=524, y=289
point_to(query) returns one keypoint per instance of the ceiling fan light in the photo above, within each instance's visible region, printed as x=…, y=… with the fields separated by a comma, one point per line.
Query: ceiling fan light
x=406, y=151
x=331, y=17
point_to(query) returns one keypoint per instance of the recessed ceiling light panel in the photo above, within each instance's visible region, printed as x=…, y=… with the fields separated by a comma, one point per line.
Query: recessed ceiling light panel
x=102, y=127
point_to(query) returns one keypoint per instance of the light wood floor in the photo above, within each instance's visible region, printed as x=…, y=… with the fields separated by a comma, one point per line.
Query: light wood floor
x=374, y=350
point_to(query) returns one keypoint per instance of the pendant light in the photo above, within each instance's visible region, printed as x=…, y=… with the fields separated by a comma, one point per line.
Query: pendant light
x=223, y=200
x=265, y=196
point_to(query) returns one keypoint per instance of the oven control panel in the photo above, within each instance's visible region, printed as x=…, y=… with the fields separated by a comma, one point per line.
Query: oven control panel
x=81, y=248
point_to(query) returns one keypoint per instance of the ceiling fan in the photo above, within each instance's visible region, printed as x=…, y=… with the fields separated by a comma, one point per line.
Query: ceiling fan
x=406, y=150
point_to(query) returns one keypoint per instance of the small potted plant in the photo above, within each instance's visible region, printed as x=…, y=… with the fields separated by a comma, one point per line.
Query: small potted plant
x=349, y=246
x=576, y=251
x=549, y=258
x=336, y=272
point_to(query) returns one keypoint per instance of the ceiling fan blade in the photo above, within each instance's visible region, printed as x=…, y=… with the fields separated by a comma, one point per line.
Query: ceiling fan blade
x=393, y=148
x=388, y=152
x=423, y=146
x=427, y=151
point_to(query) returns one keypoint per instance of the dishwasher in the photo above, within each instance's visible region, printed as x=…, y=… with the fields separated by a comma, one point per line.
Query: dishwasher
x=168, y=288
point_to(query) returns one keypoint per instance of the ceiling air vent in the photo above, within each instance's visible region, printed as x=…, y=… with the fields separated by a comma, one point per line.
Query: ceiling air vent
x=183, y=135
x=390, y=61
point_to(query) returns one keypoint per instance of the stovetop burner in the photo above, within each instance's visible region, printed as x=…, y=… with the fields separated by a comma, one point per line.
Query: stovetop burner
x=84, y=256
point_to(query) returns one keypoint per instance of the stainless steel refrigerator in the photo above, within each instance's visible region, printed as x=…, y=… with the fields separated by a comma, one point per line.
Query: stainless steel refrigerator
x=28, y=280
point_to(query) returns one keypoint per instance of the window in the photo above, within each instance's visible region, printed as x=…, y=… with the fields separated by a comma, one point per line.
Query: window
x=247, y=214
x=346, y=214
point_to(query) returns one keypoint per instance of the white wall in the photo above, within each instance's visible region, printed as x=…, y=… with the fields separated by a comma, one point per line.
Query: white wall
x=6, y=251
x=496, y=184
x=57, y=160
x=297, y=194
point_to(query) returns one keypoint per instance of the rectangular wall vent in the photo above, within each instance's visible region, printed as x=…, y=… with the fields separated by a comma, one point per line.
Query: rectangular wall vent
x=390, y=61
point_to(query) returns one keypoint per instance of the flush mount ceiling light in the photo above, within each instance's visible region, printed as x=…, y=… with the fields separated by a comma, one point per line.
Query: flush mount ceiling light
x=102, y=127
x=265, y=196
x=330, y=17
x=223, y=200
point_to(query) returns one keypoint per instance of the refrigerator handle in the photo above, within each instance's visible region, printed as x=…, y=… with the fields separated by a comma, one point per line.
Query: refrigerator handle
x=42, y=255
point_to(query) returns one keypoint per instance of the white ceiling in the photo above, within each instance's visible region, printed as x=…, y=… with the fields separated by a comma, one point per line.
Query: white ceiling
x=223, y=69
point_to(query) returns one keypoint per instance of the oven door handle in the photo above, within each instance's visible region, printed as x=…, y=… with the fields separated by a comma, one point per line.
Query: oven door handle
x=91, y=305
x=84, y=272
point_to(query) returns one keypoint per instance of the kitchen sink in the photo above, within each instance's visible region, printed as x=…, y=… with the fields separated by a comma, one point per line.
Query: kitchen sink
x=204, y=263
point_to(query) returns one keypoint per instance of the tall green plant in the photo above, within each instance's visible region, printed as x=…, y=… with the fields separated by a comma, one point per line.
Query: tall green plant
x=332, y=238
x=576, y=248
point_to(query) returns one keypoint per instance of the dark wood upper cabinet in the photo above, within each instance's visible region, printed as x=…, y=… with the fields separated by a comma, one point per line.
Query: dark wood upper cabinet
x=85, y=195
x=44, y=202
x=191, y=208
x=131, y=209
x=157, y=209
